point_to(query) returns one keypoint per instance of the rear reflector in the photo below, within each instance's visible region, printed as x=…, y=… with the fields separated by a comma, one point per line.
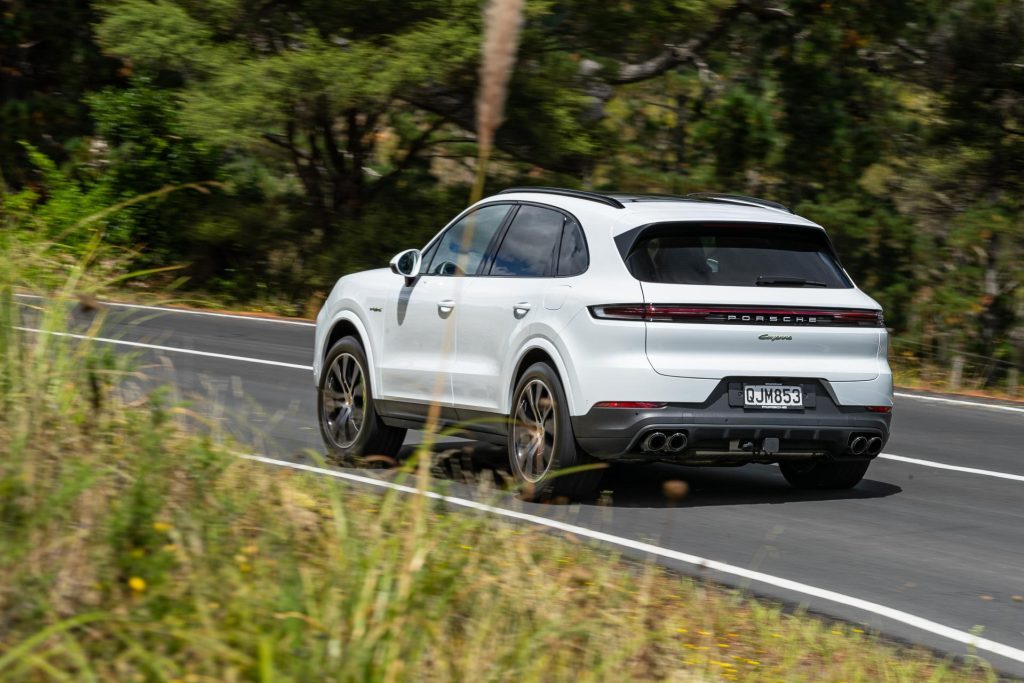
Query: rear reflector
x=739, y=315
x=629, y=404
x=880, y=409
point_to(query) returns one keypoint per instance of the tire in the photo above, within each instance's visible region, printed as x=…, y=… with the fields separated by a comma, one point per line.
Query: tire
x=349, y=423
x=541, y=442
x=824, y=474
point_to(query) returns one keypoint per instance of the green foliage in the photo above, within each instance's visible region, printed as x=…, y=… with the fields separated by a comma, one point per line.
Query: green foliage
x=340, y=137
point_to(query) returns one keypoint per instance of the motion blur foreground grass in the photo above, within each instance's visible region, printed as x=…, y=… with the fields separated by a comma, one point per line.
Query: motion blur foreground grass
x=133, y=550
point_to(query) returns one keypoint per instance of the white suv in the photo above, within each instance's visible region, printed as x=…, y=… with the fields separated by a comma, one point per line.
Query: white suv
x=578, y=327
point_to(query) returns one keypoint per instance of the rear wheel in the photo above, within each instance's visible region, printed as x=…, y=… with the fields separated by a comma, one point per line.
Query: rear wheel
x=349, y=422
x=541, y=443
x=824, y=474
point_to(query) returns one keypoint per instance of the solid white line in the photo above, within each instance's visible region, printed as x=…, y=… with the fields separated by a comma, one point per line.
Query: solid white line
x=857, y=603
x=960, y=402
x=171, y=349
x=189, y=311
x=955, y=468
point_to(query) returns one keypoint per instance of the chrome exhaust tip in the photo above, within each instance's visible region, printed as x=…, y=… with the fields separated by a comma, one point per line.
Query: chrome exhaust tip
x=858, y=444
x=874, y=446
x=676, y=442
x=655, y=441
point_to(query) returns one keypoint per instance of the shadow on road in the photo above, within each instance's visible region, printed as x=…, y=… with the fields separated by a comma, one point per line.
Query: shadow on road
x=654, y=485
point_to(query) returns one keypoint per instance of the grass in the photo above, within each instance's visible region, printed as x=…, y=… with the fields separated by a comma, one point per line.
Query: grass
x=132, y=549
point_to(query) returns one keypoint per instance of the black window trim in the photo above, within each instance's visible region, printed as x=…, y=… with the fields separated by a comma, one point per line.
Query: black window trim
x=491, y=246
x=553, y=270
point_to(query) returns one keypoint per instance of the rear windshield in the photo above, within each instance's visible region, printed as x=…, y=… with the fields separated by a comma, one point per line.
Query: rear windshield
x=742, y=255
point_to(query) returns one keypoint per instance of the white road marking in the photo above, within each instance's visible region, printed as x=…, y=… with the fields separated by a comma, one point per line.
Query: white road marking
x=189, y=311
x=955, y=468
x=915, y=621
x=171, y=349
x=961, y=402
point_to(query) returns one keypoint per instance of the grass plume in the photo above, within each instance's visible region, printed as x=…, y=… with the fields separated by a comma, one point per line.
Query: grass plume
x=502, y=22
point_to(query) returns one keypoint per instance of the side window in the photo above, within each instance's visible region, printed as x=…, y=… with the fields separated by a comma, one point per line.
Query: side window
x=462, y=247
x=530, y=244
x=572, y=257
x=428, y=255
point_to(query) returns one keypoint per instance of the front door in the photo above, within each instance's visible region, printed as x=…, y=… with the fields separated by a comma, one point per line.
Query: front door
x=419, y=329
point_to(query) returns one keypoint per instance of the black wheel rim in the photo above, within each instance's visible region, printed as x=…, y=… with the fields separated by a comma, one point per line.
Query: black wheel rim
x=534, y=431
x=344, y=401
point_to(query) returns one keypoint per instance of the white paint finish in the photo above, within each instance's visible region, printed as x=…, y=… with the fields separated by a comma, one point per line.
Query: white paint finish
x=555, y=297
x=418, y=343
x=952, y=468
x=961, y=402
x=169, y=349
x=489, y=330
x=869, y=607
x=713, y=351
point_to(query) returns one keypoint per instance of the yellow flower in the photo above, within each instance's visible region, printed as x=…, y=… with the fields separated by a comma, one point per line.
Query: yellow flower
x=162, y=527
x=250, y=549
x=137, y=584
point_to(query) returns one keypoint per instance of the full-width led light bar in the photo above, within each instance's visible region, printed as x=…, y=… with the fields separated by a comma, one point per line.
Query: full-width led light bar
x=740, y=315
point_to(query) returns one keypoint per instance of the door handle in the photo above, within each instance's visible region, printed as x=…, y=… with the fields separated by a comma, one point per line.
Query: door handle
x=521, y=309
x=445, y=306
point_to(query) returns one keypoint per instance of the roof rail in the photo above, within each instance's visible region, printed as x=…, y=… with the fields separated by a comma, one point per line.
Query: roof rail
x=576, y=194
x=739, y=199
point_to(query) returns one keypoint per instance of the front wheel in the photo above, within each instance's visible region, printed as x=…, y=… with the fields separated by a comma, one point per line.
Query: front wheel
x=543, y=455
x=349, y=423
x=824, y=474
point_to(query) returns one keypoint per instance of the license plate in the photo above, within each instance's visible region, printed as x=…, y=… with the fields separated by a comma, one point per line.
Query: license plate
x=772, y=396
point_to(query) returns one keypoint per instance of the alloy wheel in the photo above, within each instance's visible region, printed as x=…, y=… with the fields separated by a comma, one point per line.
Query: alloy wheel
x=534, y=431
x=344, y=400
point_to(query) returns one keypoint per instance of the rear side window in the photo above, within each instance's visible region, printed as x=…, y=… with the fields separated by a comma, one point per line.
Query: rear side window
x=530, y=245
x=572, y=256
x=737, y=255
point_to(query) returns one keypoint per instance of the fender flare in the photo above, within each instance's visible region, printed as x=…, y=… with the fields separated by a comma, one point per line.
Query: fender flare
x=564, y=372
x=350, y=316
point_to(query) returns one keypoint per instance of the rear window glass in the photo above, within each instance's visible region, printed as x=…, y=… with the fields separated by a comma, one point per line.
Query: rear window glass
x=740, y=255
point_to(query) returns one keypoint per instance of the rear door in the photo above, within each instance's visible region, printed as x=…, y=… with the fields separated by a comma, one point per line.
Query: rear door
x=752, y=300
x=499, y=307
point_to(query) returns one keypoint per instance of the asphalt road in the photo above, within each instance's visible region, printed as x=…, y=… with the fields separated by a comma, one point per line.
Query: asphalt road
x=944, y=545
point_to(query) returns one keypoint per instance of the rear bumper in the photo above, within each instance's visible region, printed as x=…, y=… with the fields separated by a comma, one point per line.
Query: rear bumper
x=720, y=430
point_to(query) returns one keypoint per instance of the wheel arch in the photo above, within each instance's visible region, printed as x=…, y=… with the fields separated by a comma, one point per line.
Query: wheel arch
x=347, y=323
x=536, y=351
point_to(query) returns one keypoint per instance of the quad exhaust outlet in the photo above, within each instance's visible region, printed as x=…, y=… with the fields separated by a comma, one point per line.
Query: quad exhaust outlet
x=858, y=445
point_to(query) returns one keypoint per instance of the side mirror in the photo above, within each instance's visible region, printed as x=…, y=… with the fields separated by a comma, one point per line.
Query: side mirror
x=407, y=264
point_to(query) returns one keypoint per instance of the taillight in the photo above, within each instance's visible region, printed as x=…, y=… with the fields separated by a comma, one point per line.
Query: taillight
x=879, y=409
x=620, y=312
x=639, y=405
x=739, y=315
